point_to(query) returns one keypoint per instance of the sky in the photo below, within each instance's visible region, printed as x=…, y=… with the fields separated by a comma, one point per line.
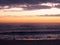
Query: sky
x=33, y=11
x=26, y=1
x=30, y=10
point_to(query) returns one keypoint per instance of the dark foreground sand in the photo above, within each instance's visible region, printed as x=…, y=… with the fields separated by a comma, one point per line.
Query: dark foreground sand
x=31, y=42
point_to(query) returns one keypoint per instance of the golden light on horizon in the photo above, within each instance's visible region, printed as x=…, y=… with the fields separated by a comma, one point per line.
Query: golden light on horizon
x=34, y=19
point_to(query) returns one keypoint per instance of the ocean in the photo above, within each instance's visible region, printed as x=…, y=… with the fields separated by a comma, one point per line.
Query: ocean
x=29, y=31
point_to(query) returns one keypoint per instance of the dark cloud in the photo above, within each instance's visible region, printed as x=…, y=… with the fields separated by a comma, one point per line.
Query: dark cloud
x=26, y=1
x=36, y=7
x=57, y=6
x=18, y=1
x=27, y=7
x=32, y=2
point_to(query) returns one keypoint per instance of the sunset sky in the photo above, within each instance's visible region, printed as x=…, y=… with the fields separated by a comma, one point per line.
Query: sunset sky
x=30, y=11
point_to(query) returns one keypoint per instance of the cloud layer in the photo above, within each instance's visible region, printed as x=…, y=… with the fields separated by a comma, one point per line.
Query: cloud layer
x=27, y=1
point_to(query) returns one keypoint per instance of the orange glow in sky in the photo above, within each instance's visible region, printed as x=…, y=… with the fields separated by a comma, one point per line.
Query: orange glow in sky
x=34, y=19
x=18, y=15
